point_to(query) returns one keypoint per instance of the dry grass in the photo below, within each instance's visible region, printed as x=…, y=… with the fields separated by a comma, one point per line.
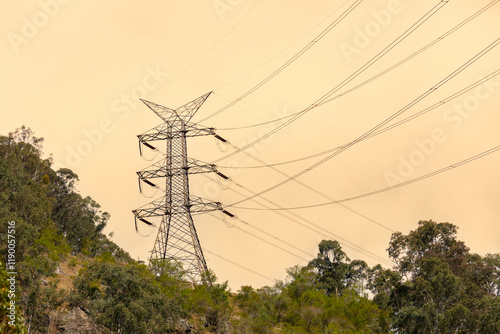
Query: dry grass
x=67, y=273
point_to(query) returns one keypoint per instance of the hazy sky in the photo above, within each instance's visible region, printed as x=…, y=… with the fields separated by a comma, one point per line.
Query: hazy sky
x=73, y=71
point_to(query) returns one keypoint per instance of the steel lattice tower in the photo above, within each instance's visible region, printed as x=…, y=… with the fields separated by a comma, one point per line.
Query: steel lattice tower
x=177, y=239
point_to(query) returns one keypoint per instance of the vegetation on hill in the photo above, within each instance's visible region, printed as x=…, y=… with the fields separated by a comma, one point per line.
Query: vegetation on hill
x=65, y=266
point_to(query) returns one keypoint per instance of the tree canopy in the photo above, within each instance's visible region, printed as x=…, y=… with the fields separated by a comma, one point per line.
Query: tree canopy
x=438, y=286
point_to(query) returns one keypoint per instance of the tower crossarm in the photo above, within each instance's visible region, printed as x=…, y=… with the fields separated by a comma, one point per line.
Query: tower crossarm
x=159, y=208
x=200, y=205
x=161, y=169
x=156, y=208
x=162, y=132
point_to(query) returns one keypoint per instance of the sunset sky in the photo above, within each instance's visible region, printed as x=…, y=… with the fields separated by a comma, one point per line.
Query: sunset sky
x=74, y=71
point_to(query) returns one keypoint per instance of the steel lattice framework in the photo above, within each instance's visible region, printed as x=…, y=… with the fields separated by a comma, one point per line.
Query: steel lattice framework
x=177, y=239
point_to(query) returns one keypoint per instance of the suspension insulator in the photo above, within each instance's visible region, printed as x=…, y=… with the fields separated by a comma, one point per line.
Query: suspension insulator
x=223, y=176
x=145, y=221
x=228, y=213
x=149, y=145
x=150, y=183
x=220, y=138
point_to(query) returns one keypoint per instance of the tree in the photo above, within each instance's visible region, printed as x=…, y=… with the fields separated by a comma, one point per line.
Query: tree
x=437, y=285
x=31, y=192
x=128, y=298
x=357, y=276
x=310, y=309
x=332, y=266
x=493, y=261
x=259, y=310
x=211, y=301
x=429, y=240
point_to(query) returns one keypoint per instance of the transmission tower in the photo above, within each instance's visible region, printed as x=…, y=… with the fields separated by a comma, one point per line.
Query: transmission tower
x=177, y=240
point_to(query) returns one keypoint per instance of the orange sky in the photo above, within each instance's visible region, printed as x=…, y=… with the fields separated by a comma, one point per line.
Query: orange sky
x=73, y=71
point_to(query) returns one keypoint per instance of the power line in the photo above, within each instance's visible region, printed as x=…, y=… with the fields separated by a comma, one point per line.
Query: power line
x=493, y=74
x=468, y=88
x=386, y=121
x=313, y=226
x=255, y=194
x=363, y=68
x=249, y=233
x=329, y=234
x=421, y=50
x=238, y=265
x=291, y=60
x=275, y=56
x=266, y=241
x=438, y=104
x=401, y=122
x=442, y=102
x=245, y=222
x=362, y=250
x=402, y=184
x=316, y=228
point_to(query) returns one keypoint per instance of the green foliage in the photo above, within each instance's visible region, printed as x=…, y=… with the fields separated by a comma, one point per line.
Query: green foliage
x=53, y=243
x=492, y=261
x=73, y=262
x=438, y=286
x=332, y=266
x=210, y=300
x=303, y=305
x=313, y=309
x=259, y=310
x=32, y=193
x=128, y=298
x=52, y=220
x=429, y=240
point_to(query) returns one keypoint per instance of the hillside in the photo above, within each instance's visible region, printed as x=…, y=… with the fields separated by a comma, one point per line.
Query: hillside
x=70, y=278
